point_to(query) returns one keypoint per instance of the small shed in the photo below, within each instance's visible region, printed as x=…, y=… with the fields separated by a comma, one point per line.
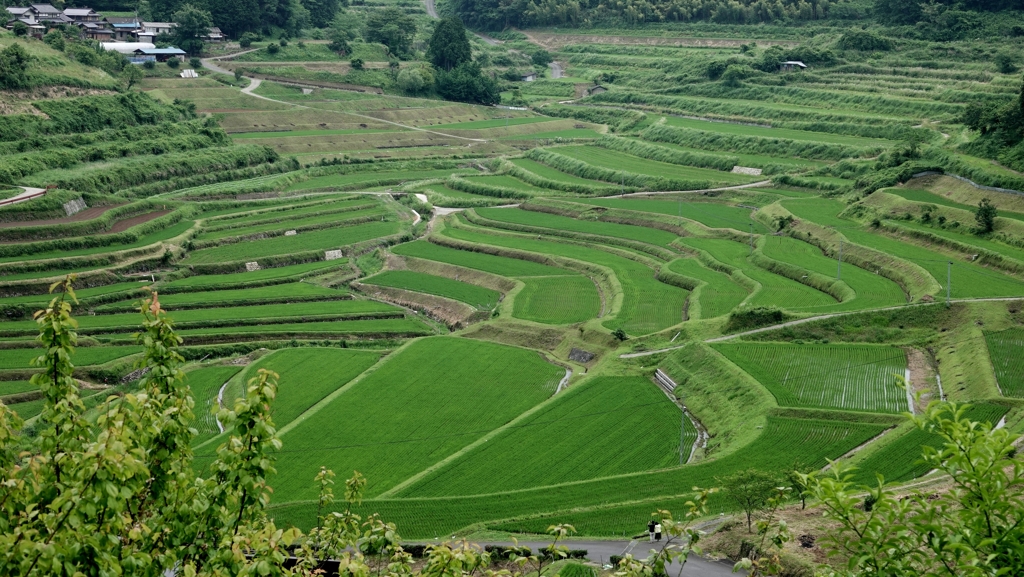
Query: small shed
x=596, y=89
x=790, y=65
x=529, y=77
x=214, y=35
x=159, y=54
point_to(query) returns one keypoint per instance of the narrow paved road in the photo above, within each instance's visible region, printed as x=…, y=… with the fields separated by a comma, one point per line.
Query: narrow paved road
x=432, y=12
x=29, y=194
x=556, y=69
x=601, y=551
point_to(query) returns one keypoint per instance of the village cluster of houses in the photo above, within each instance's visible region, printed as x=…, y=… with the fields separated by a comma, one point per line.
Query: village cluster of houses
x=127, y=35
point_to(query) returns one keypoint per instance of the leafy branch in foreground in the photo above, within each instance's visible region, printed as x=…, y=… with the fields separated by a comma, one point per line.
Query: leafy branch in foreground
x=974, y=528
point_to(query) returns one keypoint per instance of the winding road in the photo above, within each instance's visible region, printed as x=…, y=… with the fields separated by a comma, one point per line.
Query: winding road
x=601, y=551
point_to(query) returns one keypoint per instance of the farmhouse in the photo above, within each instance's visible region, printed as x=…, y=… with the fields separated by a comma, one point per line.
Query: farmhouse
x=82, y=15
x=791, y=65
x=158, y=27
x=529, y=77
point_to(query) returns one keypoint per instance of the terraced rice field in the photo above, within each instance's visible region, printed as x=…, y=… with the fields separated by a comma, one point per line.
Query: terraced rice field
x=765, y=132
x=557, y=300
x=648, y=305
x=873, y=290
x=806, y=441
x=901, y=459
x=317, y=240
x=417, y=408
x=546, y=171
x=928, y=197
x=718, y=297
x=606, y=426
x=228, y=316
x=473, y=295
x=712, y=215
x=312, y=329
x=509, y=182
x=205, y=384
x=332, y=219
x=498, y=265
x=84, y=356
x=146, y=240
x=493, y=123
x=308, y=375
x=258, y=276
x=603, y=157
x=776, y=290
x=1006, y=349
x=563, y=223
x=848, y=377
x=969, y=280
x=288, y=292
x=372, y=178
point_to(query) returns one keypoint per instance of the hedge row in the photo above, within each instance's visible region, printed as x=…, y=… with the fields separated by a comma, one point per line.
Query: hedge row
x=271, y=220
x=837, y=289
x=540, y=181
x=981, y=255
x=591, y=172
x=675, y=279
x=296, y=258
x=732, y=109
x=743, y=144
x=217, y=323
x=230, y=283
x=473, y=187
x=217, y=176
x=40, y=142
x=617, y=120
x=197, y=245
x=16, y=166
x=655, y=251
x=791, y=180
x=662, y=154
x=136, y=171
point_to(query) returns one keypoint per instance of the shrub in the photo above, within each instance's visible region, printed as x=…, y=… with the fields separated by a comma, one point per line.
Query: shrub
x=356, y=63
x=173, y=62
x=247, y=39
x=863, y=40
x=284, y=42
x=541, y=58
x=753, y=318
x=1004, y=63
x=195, y=62
x=149, y=64
x=273, y=48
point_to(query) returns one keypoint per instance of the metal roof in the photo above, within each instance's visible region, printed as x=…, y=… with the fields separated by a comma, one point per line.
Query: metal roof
x=79, y=11
x=156, y=51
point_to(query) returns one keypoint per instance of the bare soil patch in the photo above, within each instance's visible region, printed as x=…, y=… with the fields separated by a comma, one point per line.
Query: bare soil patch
x=123, y=225
x=922, y=379
x=86, y=214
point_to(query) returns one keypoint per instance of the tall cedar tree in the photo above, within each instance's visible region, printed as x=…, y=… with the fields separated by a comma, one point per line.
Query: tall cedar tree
x=449, y=46
x=986, y=216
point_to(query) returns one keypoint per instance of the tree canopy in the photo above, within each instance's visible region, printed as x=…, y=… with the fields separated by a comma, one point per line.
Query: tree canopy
x=466, y=83
x=393, y=28
x=191, y=24
x=449, y=46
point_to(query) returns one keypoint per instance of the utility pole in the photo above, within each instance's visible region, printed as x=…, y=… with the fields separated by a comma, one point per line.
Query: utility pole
x=622, y=183
x=949, y=279
x=751, y=239
x=839, y=267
